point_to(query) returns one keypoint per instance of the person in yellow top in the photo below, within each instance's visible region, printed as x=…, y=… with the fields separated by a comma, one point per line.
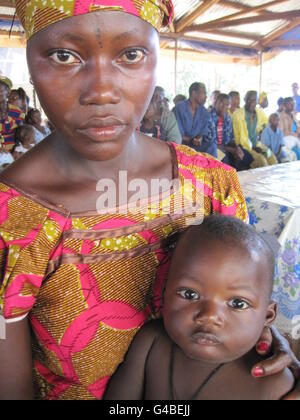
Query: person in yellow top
x=234, y=102
x=248, y=123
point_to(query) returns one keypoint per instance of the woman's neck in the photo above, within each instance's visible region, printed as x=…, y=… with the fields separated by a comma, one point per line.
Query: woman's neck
x=78, y=167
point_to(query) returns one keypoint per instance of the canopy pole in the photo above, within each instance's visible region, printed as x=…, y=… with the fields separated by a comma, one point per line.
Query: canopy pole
x=261, y=72
x=175, y=69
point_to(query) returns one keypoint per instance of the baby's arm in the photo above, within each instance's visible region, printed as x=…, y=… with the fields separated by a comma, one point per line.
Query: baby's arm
x=129, y=380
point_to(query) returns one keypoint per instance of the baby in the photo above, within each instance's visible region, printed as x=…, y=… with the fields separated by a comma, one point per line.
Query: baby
x=24, y=139
x=216, y=304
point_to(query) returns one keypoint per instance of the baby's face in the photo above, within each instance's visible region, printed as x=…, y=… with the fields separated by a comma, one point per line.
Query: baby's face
x=217, y=302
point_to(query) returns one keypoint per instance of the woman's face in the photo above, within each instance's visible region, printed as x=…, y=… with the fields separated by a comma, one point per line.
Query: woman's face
x=95, y=75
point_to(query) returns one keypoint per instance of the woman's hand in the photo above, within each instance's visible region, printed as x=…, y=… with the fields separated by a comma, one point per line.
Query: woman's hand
x=283, y=357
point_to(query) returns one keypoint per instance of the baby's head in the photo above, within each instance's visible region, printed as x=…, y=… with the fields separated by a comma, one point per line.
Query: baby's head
x=218, y=294
x=24, y=135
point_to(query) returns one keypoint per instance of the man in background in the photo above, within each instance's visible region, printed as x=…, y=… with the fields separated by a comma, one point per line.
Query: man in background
x=234, y=102
x=234, y=155
x=159, y=121
x=295, y=89
x=195, y=122
x=248, y=123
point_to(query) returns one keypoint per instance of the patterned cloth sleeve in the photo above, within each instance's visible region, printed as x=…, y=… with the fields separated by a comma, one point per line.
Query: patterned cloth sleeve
x=218, y=183
x=28, y=235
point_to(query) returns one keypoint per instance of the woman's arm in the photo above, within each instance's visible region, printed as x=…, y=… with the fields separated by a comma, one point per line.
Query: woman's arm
x=282, y=358
x=16, y=363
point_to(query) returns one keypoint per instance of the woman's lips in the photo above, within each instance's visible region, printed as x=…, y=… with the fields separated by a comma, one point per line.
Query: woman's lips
x=205, y=339
x=102, y=133
x=102, y=129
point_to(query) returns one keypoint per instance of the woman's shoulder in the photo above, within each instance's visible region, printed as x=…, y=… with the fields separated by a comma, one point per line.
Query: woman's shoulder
x=22, y=208
x=217, y=182
x=23, y=217
x=188, y=157
x=32, y=169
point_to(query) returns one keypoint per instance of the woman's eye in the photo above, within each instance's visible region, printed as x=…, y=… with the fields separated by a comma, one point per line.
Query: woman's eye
x=189, y=294
x=132, y=56
x=64, y=57
x=239, y=304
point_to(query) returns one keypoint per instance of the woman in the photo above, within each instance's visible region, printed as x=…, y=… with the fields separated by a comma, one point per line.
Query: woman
x=83, y=277
x=19, y=98
x=34, y=119
x=11, y=116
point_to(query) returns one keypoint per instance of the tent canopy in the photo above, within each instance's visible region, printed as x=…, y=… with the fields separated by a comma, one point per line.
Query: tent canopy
x=237, y=28
x=241, y=28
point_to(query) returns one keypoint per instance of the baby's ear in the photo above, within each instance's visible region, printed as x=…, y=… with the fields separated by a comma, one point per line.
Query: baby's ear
x=271, y=314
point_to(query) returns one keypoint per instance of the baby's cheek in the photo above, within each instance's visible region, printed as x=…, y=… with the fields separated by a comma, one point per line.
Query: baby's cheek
x=176, y=321
x=244, y=337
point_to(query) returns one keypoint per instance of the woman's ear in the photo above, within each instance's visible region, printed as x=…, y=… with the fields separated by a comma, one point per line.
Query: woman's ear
x=271, y=313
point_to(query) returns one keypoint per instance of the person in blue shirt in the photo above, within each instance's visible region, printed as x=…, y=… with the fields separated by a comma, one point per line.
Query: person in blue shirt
x=195, y=123
x=295, y=88
x=272, y=137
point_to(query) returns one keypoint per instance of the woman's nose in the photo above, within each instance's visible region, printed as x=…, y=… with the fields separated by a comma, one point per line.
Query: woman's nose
x=100, y=86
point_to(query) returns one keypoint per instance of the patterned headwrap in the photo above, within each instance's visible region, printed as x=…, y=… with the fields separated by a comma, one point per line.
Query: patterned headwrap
x=262, y=97
x=38, y=14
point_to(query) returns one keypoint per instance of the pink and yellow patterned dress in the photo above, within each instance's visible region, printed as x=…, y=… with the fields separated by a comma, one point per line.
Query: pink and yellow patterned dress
x=88, y=282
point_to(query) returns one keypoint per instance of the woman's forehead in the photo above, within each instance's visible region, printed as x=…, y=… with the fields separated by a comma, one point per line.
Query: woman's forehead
x=114, y=25
x=35, y=15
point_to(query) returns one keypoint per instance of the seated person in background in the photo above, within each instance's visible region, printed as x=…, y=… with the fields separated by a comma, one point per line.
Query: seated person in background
x=213, y=99
x=11, y=116
x=234, y=155
x=234, y=102
x=19, y=98
x=290, y=126
x=263, y=100
x=296, y=96
x=272, y=137
x=151, y=126
x=6, y=158
x=166, y=104
x=195, y=123
x=24, y=139
x=248, y=123
x=280, y=104
x=179, y=98
x=34, y=119
x=158, y=116
x=217, y=302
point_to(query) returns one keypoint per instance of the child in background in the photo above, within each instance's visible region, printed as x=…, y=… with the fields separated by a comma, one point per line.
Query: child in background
x=34, y=118
x=272, y=137
x=6, y=158
x=216, y=304
x=24, y=138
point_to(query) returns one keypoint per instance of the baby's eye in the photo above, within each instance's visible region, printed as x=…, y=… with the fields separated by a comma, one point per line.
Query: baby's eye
x=188, y=294
x=239, y=304
x=64, y=57
x=132, y=56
